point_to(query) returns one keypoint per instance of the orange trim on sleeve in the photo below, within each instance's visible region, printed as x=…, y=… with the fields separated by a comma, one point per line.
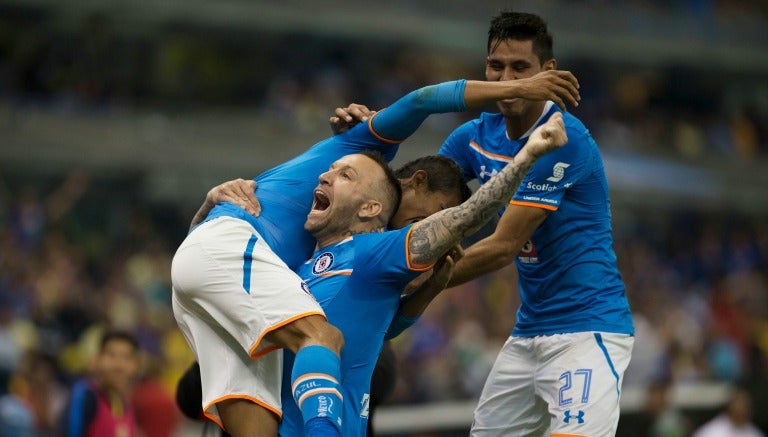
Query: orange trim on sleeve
x=254, y=355
x=567, y=435
x=379, y=137
x=535, y=205
x=408, y=256
x=217, y=420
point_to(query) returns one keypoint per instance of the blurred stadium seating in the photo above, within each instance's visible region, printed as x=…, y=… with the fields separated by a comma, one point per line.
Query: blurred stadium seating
x=116, y=117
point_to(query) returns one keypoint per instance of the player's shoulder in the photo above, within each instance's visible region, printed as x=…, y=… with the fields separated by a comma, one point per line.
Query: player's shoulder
x=489, y=120
x=574, y=125
x=372, y=238
x=486, y=120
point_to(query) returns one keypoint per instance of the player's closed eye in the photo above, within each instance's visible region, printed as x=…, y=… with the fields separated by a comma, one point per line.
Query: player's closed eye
x=495, y=66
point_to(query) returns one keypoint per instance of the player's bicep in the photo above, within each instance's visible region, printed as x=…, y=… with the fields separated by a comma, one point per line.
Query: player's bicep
x=517, y=224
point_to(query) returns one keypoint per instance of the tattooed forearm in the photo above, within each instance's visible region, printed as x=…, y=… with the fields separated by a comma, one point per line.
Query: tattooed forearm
x=432, y=237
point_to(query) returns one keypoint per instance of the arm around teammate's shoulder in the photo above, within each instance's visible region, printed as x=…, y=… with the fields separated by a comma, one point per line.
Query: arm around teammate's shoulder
x=432, y=237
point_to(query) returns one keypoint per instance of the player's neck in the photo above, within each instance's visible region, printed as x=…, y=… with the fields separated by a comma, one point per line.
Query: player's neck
x=361, y=228
x=520, y=125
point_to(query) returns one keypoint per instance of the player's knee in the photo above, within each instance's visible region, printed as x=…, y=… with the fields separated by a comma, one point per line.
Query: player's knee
x=330, y=337
x=308, y=331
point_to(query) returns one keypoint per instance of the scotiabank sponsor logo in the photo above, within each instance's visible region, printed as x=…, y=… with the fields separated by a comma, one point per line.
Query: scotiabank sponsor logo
x=558, y=172
x=541, y=187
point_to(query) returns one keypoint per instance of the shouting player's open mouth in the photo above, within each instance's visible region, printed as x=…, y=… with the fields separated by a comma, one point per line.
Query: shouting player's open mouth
x=321, y=202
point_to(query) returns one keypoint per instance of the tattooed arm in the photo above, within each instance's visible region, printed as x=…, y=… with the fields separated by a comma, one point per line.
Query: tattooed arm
x=435, y=235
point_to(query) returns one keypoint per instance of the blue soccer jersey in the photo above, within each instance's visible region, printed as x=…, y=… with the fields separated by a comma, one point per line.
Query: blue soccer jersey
x=568, y=278
x=358, y=283
x=286, y=191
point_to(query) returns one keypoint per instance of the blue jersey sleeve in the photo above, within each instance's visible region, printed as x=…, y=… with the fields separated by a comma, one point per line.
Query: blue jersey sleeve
x=401, y=119
x=554, y=173
x=387, y=254
x=455, y=147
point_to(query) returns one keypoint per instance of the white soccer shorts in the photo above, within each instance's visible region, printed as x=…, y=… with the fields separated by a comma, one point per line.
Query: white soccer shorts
x=555, y=385
x=229, y=291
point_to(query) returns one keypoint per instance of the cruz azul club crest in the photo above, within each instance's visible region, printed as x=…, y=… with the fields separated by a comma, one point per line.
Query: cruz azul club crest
x=528, y=253
x=322, y=263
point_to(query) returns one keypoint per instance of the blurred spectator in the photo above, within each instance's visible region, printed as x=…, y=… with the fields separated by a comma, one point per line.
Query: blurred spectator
x=37, y=383
x=662, y=418
x=100, y=403
x=156, y=412
x=735, y=421
x=80, y=251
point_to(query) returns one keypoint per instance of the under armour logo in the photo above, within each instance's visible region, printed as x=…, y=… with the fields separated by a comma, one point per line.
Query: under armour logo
x=568, y=417
x=558, y=172
x=484, y=174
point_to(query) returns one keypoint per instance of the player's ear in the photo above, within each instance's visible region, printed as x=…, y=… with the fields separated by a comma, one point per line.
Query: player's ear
x=419, y=178
x=370, y=209
x=550, y=65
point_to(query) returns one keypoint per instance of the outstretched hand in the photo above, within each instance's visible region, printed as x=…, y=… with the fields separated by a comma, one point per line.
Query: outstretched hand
x=237, y=191
x=346, y=118
x=437, y=279
x=557, y=85
x=442, y=272
x=547, y=137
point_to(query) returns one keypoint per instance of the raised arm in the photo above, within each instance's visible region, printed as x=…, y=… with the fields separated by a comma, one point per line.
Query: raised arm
x=433, y=236
x=557, y=85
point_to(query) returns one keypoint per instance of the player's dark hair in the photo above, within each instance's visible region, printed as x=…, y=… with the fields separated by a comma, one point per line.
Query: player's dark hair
x=521, y=26
x=118, y=335
x=443, y=174
x=391, y=188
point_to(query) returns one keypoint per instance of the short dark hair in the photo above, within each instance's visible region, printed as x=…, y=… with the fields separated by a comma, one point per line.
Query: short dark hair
x=522, y=26
x=443, y=174
x=119, y=335
x=390, y=188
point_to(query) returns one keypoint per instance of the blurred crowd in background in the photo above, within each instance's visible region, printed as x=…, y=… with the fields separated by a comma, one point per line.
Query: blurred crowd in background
x=83, y=251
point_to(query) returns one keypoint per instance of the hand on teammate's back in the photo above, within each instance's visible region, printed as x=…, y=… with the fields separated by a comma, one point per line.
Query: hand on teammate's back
x=241, y=192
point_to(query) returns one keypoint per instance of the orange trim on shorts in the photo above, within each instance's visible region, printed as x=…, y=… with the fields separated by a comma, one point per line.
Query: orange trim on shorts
x=215, y=419
x=535, y=205
x=567, y=435
x=379, y=137
x=255, y=346
x=408, y=256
